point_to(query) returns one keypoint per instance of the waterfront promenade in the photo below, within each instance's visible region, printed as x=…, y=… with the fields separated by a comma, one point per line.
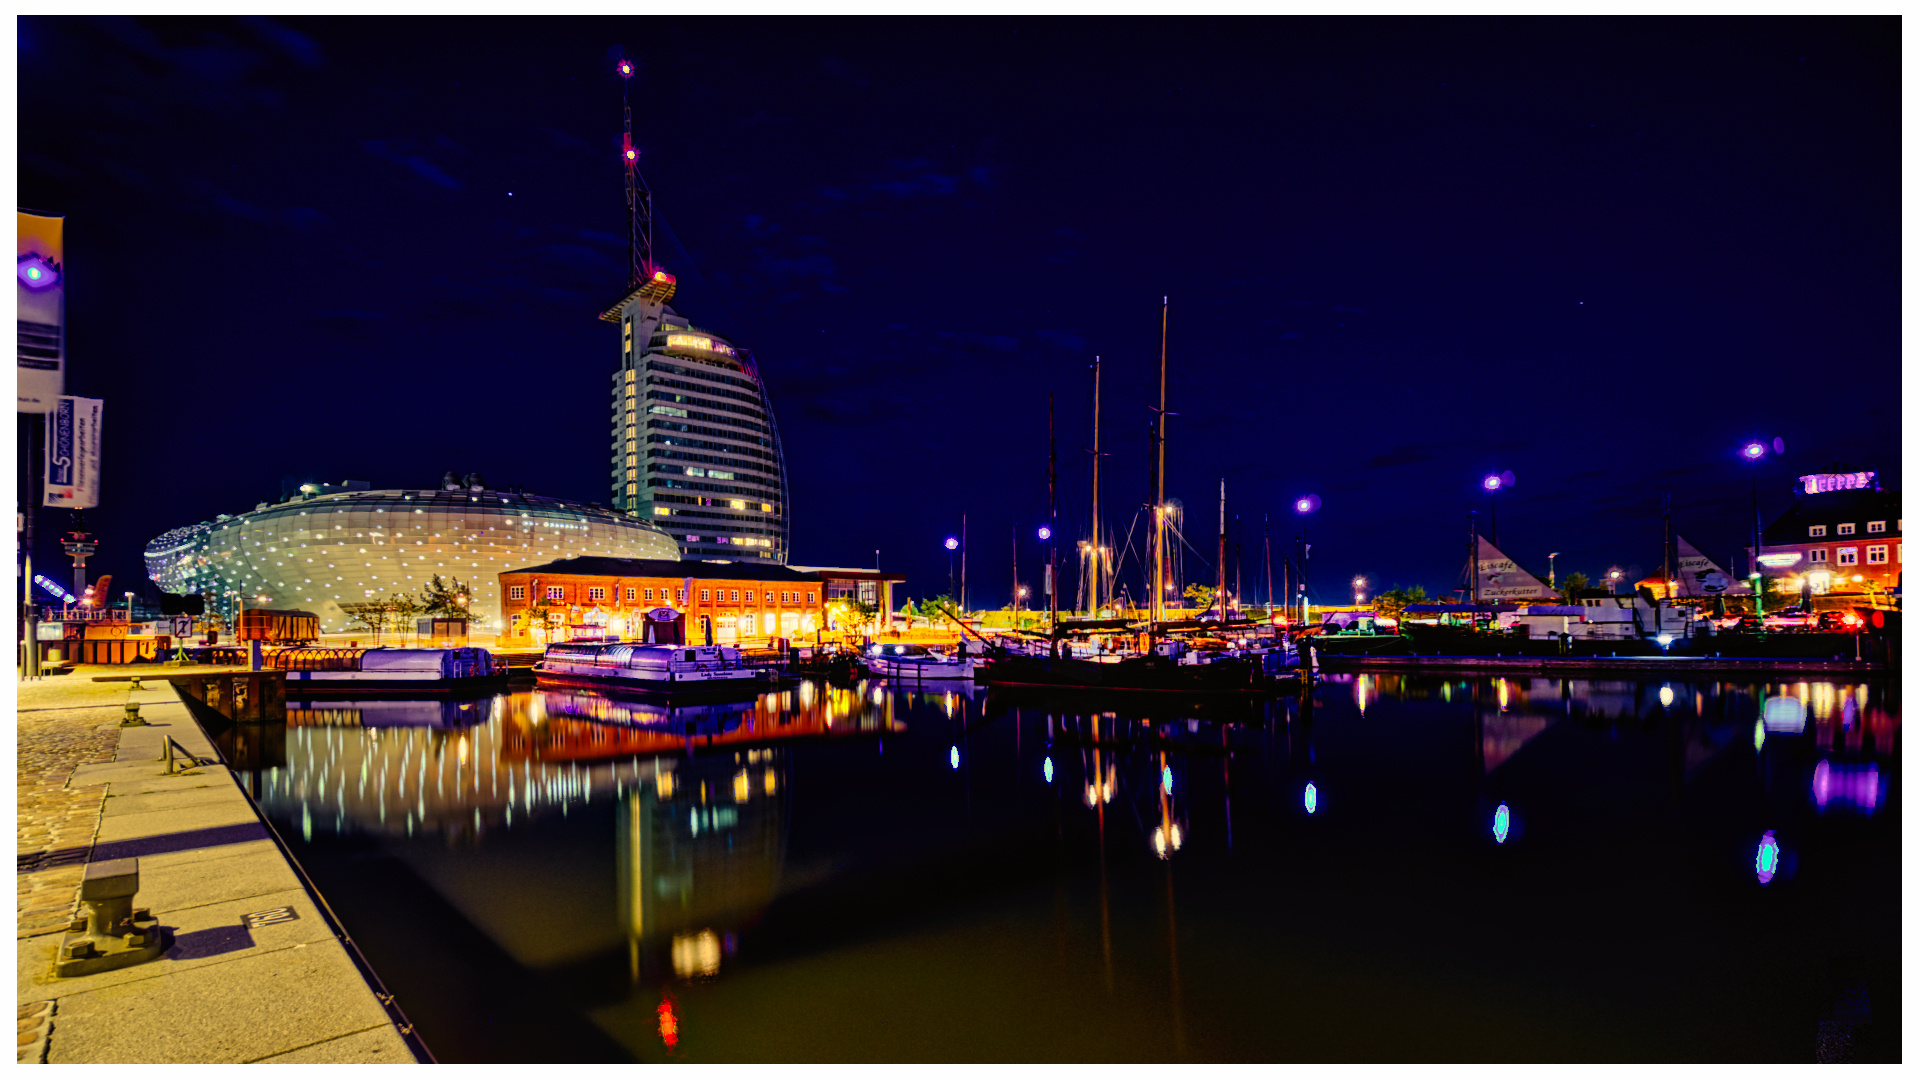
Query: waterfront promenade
x=255, y=972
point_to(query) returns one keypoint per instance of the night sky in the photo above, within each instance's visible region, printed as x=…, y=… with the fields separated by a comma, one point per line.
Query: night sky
x=1600, y=253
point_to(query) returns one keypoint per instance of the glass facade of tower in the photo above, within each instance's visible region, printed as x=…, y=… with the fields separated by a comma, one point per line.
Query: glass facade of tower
x=695, y=447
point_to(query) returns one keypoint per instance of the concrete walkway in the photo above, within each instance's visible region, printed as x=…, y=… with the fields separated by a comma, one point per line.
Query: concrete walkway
x=279, y=987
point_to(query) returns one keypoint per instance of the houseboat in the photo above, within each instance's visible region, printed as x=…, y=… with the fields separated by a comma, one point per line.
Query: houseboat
x=679, y=670
x=318, y=670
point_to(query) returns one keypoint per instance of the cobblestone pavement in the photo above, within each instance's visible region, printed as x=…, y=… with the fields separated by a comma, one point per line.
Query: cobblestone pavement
x=63, y=722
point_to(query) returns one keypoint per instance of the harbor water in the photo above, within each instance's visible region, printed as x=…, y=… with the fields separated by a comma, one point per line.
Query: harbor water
x=1388, y=868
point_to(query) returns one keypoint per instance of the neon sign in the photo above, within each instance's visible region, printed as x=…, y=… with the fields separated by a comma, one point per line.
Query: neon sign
x=53, y=589
x=1815, y=483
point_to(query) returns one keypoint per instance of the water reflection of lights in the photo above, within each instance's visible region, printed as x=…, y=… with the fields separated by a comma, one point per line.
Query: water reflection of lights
x=1166, y=779
x=1500, y=691
x=1102, y=791
x=1361, y=686
x=669, y=1023
x=742, y=786
x=1666, y=697
x=1046, y=768
x=1846, y=785
x=696, y=954
x=1759, y=735
x=953, y=756
x=1785, y=715
x=1161, y=836
x=1312, y=798
x=1766, y=862
x=1502, y=818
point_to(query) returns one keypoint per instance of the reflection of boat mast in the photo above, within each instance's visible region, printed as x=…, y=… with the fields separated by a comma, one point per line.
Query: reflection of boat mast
x=1100, y=816
x=1173, y=925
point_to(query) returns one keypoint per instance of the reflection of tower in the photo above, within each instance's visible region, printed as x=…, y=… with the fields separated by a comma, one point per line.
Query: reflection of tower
x=698, y=857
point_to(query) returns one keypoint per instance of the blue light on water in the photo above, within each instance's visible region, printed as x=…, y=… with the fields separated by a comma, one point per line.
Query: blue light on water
x=1501, y=820
x=1766, y=862
x=1313, y=798
x=953, y=756
x=1047, y=768
x=1166, y=779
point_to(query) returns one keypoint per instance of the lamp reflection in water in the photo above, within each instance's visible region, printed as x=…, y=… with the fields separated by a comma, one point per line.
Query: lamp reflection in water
x=1311, y=798
x=1502, y=820
x=1766, y=862
x=1846, y=786
x=1046, y=769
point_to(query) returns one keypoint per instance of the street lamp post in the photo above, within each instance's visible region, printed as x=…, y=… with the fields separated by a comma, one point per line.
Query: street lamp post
x=1302, y=507
x=1359, y=590
x=953, y=545
x=1551, y=555
x=1754, y=452
x=1493, y=484
x=1613, y=581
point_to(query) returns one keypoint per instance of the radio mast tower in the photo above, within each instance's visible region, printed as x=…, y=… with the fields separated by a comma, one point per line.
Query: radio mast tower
x=640, y=264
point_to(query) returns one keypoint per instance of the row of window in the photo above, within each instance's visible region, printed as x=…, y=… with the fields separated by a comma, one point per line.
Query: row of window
x=744, y=384
x=749, y=420
x=728, y=596
x=1846, y=556
x=709, y=459
x=679, y=384
x=1846, y=529
x=691, y=429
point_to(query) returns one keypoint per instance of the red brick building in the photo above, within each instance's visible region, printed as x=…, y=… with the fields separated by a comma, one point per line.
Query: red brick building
x=591, y=597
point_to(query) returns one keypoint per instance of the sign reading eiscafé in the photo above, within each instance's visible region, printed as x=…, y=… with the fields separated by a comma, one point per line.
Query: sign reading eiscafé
x=1816, y=483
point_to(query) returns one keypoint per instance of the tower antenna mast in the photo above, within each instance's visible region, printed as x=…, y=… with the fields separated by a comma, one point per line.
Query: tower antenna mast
x=640, y=264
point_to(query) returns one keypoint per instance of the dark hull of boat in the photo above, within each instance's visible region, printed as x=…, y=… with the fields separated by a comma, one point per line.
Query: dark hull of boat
x=469, y=687
x=706, y=690
x=1142, y=676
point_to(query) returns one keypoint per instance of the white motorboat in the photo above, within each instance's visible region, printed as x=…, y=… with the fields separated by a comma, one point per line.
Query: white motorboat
x=915, y=663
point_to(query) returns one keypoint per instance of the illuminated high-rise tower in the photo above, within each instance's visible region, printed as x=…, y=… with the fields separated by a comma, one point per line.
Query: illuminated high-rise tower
x=695, y=448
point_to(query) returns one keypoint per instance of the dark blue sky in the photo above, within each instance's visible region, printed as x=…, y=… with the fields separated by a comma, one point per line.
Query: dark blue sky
x=1601, y=253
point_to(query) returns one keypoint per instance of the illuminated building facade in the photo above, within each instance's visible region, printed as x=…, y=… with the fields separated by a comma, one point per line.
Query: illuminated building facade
x=695, y=447
x=330, y=546
x=1841, y=536
x=596, y=597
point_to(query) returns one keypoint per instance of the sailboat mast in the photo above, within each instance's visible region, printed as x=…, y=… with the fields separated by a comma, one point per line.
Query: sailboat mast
x=1220, y=586
x=1266, y=542
x=1093, y=595
x=1053, y=542
x=1160, y=486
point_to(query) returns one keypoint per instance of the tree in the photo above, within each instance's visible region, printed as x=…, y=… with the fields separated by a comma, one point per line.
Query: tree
x=401, y=609
x=935, y=608
x=1396, y=600
x=848, y=613
x=1574, y=588
x=372, y=616
x=444, y=599
x=1201, y=595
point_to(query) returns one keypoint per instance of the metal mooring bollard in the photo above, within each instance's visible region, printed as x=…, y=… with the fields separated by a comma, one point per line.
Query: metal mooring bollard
x=136, y=682
x=114, y=934
x=133, y=716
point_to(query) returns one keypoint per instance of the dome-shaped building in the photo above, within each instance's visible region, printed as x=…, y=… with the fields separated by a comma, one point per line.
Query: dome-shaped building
x=331, y=545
